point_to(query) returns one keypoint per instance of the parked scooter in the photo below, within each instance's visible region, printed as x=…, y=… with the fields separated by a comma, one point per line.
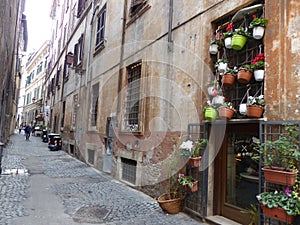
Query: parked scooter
x=44, y=136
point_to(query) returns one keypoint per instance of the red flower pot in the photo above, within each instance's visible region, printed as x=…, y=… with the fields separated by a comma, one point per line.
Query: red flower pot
x=194, y=162
x=194, y=188
x=279, y=176
x=277, y=213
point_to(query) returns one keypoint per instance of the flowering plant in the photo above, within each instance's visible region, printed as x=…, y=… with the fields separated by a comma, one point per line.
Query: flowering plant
x=190, y=150
x=228, y=105
x=256, y=100
x=186, y=180
x=256, y=22
x=216, y=40
x=246, y=67
x=233, y=71
x=242, y=31
x=258, y=62
x=287, y=199
x=228, y=32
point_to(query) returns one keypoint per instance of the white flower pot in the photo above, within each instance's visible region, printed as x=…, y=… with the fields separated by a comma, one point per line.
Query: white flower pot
x=259, y=75
x=213, y=49
x=218, y=100
x=210, y=90
x=258, y=32
x=227, y=42
x=222, y=67
x=243, y=109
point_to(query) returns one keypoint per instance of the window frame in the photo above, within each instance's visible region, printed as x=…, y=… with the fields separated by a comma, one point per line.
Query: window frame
x=100, y=31
x=94, y=105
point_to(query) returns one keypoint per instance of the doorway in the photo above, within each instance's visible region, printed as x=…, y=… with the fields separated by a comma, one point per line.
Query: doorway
x=236, y=175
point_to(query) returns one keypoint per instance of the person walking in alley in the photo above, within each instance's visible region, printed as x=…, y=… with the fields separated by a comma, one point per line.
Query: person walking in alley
x=27, y=130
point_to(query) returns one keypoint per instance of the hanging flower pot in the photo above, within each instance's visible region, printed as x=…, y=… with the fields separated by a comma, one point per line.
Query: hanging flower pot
x=228, y=79
x=192, y=189
x=259, y=75
x=279, y=176
x=244, y=76
x=238, y=41
x=218, y=100
x=243, y=108
x=194, y=161
x=210, y=113
x=226, y=112
x=213, y=49
x=254, y=111
x=228, y=42
x=258, y=32
x=210, y=90
x=277, y=213
x=222, y=67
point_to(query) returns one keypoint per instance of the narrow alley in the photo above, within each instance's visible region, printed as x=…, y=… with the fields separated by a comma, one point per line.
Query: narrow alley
x=42, y=187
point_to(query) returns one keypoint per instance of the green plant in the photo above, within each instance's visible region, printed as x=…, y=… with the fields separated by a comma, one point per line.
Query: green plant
x=216, y=41
x=231, y=71
x=199, y=145
x=281, y=152
x=220, y=61
x=256, y=100
x=228, y=105
x=286, y=199
x=242, y=31
x=246, y=67
x=258, y=22
x=253, y=214
x=186, y=180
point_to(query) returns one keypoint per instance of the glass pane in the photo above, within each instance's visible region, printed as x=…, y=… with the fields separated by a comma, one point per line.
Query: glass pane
x=242, y=172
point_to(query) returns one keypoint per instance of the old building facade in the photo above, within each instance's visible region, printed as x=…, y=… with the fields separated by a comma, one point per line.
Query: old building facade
x=14, y=42
x=126, y=84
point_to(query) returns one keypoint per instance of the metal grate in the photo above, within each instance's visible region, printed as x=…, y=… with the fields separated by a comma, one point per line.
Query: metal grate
x=94, y=111
x=129, y=170
x=133, y=94
x=91, y=156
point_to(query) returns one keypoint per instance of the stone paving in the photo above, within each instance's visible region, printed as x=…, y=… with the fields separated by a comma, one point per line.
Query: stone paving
x=87, y=196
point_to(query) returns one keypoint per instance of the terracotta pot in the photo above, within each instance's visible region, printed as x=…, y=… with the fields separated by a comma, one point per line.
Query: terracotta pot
x=279, y=176
x=171, y=206
x=228, y=79
x=194, y=162
x=194, y=188
x=277, y=213
x=244, y=76
x=254, y=111
x=225, y=112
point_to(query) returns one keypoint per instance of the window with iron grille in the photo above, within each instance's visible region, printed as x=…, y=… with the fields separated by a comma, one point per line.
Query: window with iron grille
x=94, y=110
x=91, y=156
x=237, y=94
x=133, y=97
x=100, y=27
x=129, y=170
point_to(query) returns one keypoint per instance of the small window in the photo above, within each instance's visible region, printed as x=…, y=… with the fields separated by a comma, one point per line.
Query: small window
x=78, y=51
x=129, y=170
x=101, y=27
x=133, y=97
x=94, y=110
x=136, y=5
x=81, y=7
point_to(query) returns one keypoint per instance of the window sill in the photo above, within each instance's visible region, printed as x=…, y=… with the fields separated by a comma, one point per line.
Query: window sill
x=99, y=48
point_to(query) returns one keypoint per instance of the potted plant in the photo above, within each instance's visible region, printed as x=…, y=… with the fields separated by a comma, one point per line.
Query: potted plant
x=226, y=110
x=210, y=112
x=239, y=38
x=227, y=36
x=221, y=65
x=258, y=66
x=214, y=46
x=245, y=73
x=255, y=106
x=229, y=77
x=193, y=151
x=258, y=25
x=282, y=205
x=281, y=156
x=212, y=87
x=188, y=182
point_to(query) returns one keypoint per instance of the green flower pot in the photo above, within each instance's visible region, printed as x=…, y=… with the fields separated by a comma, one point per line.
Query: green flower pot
x=238, y=41
x=210, y=114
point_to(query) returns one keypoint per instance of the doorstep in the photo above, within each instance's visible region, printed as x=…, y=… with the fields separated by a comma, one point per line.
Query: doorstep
x=220, y=220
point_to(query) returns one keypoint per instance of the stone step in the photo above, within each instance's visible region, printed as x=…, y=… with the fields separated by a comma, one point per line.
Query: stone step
x=220, y=220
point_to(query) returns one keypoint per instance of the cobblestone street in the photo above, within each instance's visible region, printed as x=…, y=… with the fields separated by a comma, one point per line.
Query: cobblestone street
x=60, y=190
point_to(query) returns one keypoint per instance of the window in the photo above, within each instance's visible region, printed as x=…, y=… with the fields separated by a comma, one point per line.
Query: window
x=100, y=27
x=136, y=5
x=94, y=110
x=57, y=81
x=129, y=170
x=133, y=97
x=78, y=51
x=81, y=7
x=62, y=122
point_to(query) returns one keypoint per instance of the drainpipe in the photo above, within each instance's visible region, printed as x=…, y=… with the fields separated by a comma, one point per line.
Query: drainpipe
x=170, y=41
